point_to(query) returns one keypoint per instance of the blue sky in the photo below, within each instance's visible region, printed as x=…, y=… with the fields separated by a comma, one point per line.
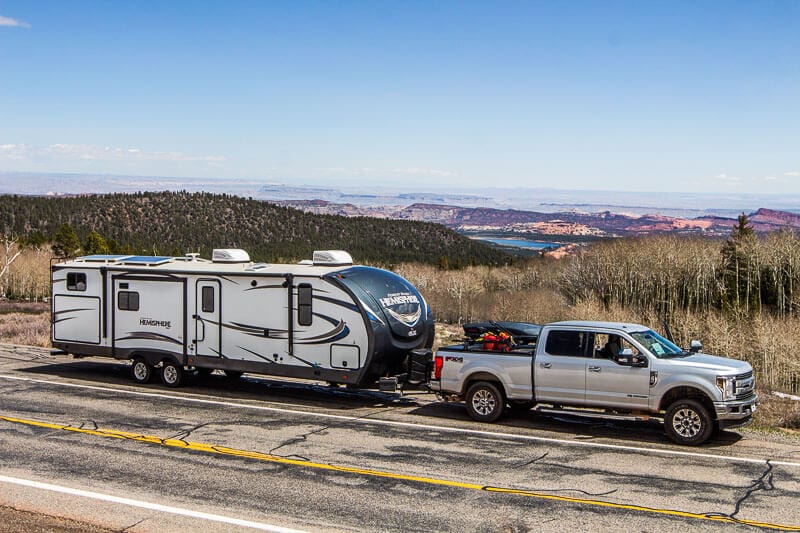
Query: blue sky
x=640, y=95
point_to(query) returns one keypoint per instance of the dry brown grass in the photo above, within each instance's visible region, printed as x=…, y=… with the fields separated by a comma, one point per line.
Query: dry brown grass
x=25, y=323
x=775, y=412
x=30, y=329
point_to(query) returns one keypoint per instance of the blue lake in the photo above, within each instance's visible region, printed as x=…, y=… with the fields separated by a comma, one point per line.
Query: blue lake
x=520, y=243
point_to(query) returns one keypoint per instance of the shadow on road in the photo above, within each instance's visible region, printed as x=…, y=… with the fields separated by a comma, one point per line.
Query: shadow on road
x=574, y=427
x=248, y=387
x=305, y=394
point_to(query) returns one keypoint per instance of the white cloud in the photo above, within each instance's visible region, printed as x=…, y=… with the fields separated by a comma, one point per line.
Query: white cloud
x=726, y=178
x=13, y=23
x=89, y=152
x=423, y=171
x=794, y=174
x=15, y=152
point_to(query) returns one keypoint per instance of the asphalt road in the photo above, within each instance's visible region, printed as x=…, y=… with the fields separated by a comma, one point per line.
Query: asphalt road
x=79, y=441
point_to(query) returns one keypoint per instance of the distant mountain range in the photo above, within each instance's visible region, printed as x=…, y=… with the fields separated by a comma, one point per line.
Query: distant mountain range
x=568, y=224
x=365, y=193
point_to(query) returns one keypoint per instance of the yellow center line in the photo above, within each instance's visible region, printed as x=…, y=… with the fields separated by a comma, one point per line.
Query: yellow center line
x=224, y=450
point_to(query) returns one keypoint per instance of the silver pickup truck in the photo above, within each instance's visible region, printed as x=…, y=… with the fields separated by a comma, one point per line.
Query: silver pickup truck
x=600, y=369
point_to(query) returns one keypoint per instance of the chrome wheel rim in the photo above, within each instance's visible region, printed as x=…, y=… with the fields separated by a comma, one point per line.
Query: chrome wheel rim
x=140, y=370
x=687, y=422
x=484, y=402
x=170, y=374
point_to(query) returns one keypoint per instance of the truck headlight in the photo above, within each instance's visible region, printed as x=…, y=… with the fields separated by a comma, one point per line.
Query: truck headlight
x=727, y=385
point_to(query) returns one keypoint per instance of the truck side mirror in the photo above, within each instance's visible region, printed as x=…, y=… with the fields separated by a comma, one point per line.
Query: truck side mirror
x=695, y=346
x=624, y=357
x=627, y=358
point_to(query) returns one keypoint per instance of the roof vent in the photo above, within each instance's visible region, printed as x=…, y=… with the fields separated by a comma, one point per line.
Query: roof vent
x=332, y=258
x=230, y=255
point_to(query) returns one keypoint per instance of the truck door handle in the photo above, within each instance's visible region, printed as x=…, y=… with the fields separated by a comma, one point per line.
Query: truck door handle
x=594, y=369
x=545, y=365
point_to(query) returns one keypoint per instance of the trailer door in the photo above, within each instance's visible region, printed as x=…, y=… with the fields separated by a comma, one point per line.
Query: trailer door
x=148, y=315
x=207, y=318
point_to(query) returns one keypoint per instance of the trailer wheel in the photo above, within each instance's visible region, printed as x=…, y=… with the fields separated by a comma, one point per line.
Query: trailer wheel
x=688, y=422
x=233, y=374
x=141, y=371
x=171, y=374
x=484, y=401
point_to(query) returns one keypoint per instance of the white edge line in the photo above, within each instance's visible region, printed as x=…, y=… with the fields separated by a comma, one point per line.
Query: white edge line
x=147, y=505
x=361, y=420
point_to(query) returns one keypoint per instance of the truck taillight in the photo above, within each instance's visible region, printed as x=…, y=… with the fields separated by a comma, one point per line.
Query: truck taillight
x=438, y=363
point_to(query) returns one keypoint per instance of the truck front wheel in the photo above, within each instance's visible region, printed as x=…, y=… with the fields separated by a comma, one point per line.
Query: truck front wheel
x=484, y=401
x=688, y=422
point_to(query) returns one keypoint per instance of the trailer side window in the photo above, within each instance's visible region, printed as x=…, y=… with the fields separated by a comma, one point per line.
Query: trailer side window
x=304, y=307
x=572, y=343
x=208, y=299
x=128, y=301
x=76, y=281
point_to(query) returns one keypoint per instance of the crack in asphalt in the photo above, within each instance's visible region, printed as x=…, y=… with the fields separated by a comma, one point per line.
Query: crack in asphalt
x=763, y=483
x=295, y=440
x=128, y=528
x=545, y=454
x=304, y=438
x=94, y=427
x=184, y=434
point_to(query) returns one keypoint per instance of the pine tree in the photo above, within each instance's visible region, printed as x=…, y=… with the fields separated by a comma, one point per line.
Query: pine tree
x=740, y=268
x=66, y=242
x=95, y=244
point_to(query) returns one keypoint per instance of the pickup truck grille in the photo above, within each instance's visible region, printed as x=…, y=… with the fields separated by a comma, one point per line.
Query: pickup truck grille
x=745, y=384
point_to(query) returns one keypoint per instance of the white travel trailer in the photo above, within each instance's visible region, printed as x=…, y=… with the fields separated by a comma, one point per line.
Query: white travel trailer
x=322, y=319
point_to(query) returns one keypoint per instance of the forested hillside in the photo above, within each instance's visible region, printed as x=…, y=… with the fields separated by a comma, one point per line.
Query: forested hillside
x=173, y=223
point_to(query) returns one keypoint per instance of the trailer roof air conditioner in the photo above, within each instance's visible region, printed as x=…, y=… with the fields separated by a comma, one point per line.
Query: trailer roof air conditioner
x=229, y=255
x=332, y=258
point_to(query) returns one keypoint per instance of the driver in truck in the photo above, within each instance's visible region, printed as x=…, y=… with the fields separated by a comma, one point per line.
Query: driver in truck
x=611, y=348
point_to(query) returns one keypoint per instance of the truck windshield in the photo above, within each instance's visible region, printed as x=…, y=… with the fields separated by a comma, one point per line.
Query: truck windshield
x=656, y=344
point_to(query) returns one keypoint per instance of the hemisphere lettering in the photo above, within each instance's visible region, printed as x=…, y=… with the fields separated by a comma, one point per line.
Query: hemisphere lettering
x=153, y=322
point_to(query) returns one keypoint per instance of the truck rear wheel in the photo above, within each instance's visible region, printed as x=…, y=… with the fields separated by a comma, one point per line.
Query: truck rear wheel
x=141, y=371
x=171, y=374
x=484, y=401
x=688, y=422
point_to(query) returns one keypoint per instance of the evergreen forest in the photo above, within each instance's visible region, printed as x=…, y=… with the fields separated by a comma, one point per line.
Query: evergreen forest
x=174, y=223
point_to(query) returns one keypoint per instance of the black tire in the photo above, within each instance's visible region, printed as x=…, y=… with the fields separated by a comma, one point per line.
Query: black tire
x=688, y=422
x=141, y=371
x=204, y=372
x=172, y=374
x=484, y=401
x=233, y=374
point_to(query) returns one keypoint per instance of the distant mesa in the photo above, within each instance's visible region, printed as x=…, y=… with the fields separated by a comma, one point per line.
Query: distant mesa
x=486, y=220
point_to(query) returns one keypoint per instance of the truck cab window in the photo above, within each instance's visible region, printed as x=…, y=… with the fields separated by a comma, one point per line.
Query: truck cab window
x=304, y=304
x=76, y=281
x=608, y=346
x=128, y=301
x=571, y=343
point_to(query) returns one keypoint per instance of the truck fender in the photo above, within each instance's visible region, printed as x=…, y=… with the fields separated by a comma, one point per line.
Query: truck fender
x=686, y=391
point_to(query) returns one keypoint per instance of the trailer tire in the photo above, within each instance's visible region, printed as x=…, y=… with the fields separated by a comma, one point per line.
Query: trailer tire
x=141, y=371
x=204, y=372
x=171, y=374
x=688, y=422
x=484, y=401
x=233, y=374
